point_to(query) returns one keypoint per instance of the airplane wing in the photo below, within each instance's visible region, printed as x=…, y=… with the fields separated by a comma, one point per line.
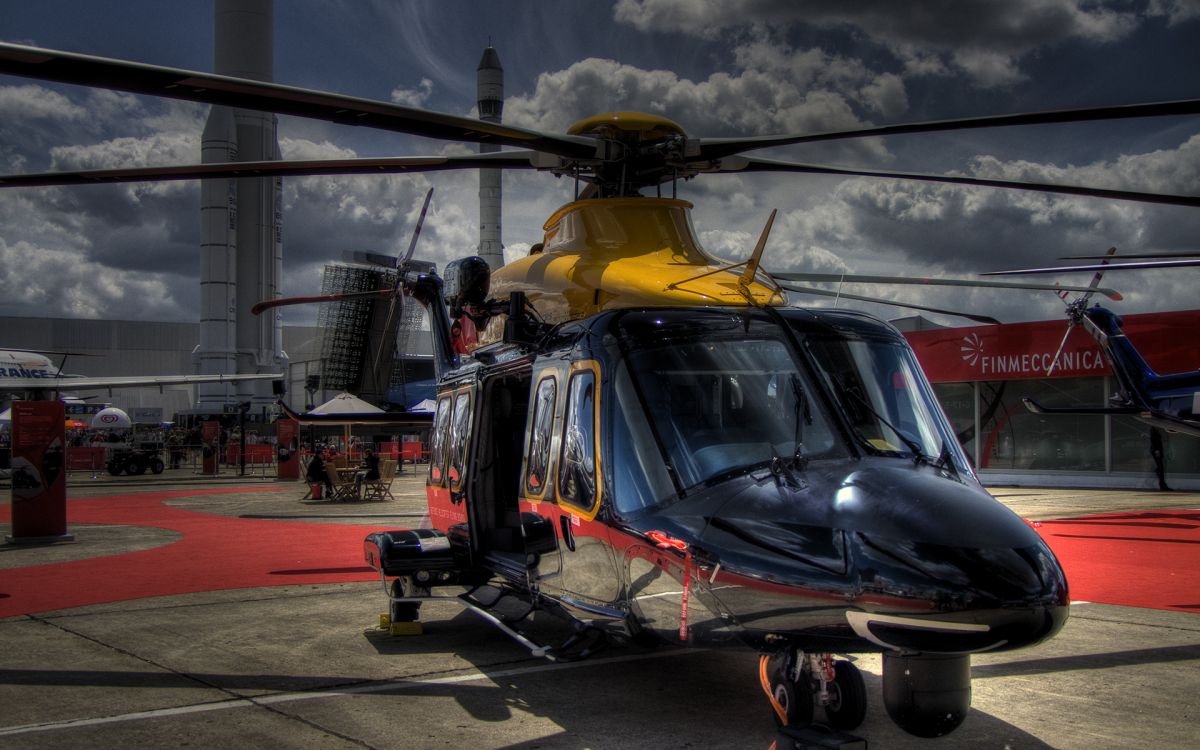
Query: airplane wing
x=85, y=383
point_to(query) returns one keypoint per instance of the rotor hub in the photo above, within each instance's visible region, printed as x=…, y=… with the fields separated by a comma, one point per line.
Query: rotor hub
x=637, y=150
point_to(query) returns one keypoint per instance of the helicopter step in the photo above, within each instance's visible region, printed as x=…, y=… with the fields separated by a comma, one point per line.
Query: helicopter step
x=814, y=737
x=417, y=560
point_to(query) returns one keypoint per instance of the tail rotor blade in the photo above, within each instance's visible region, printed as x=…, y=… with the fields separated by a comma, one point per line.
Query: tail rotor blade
x=1061, y=346
x=1099, y=274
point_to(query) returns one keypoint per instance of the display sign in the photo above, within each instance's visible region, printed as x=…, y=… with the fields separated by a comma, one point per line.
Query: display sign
x=146, y=415
x=1025, y=351
x=287, y=447
x=89, y=409
x=39, y=478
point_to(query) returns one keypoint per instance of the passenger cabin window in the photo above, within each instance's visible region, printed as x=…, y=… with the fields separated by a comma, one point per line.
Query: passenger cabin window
x=441, y=438
x=577, y=465
x=459, y=432
x=538, y=460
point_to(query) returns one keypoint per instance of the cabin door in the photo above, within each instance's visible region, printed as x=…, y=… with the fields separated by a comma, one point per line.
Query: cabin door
x=561, y=490
x=495, y=481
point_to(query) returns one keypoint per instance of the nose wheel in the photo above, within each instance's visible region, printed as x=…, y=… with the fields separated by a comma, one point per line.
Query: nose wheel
x=796, y=683
x=847, y=702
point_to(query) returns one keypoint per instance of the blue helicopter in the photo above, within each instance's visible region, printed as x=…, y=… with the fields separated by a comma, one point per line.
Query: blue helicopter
x=1169, y=401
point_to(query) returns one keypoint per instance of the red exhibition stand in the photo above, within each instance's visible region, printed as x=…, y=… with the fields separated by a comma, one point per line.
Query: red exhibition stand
x=39, y=476
x=287, y=440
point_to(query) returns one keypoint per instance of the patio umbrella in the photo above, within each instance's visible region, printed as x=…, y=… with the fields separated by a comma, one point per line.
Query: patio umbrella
x=346, y=405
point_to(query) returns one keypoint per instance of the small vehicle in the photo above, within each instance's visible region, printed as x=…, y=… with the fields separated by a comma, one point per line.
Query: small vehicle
x=135, y=460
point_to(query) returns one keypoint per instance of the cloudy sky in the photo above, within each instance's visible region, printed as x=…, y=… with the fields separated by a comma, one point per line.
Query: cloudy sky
x=718, y=67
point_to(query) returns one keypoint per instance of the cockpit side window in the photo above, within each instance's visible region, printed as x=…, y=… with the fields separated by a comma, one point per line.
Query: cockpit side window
x=537, y=461
x=460, y=431
x=577, y=464
x=880, y=388
x=441, y=439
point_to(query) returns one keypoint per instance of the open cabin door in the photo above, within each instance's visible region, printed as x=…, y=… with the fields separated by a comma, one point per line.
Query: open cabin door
x=509, y=542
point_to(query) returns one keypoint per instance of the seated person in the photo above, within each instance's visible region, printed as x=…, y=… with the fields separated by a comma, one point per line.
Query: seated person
x=318, y=474
x=368, y=470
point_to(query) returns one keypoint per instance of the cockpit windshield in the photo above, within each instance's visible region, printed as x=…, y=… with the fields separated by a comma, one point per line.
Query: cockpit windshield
x=881, y=392
x=723, y=401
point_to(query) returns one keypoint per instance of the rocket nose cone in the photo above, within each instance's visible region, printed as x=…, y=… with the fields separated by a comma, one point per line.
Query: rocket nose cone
x=490, y=60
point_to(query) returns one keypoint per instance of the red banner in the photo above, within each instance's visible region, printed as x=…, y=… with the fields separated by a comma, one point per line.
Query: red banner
x=39, y=477
x=1024, y=351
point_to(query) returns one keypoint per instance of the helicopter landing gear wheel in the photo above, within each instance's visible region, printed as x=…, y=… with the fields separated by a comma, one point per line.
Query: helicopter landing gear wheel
x=788, y=688
x=847, y=706
x=404, y=618
x=796, y=700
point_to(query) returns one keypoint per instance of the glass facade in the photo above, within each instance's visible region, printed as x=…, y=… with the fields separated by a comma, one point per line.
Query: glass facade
x=1000, y=434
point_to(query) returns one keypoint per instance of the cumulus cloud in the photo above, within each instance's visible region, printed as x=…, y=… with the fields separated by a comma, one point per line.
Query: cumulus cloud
x=760, y=67
x=1175, y=11
x=775, y=90
x=984, y=39
x=60, y=282
x=917, y=229
x=413, y=97
x=37, y=103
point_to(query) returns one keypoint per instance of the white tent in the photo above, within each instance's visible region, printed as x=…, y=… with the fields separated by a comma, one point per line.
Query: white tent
x=428, y=406
x=5, y=416
x=346, y=403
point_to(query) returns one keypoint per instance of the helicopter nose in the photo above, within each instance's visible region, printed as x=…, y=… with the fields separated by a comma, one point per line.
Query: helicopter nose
x=967, y=599
x=895, y=557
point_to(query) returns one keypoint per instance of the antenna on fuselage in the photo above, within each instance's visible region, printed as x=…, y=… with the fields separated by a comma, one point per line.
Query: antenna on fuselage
x=751, y=269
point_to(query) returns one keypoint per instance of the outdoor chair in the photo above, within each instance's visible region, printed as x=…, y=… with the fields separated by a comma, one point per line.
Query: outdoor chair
x=381, y=489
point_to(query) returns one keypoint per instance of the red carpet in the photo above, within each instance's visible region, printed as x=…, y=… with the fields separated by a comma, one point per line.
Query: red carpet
x=1142, y=559
x=1138, y=559
x=215, y=552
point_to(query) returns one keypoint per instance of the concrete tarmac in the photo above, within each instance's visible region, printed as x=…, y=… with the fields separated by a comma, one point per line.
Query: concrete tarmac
x=306, y=666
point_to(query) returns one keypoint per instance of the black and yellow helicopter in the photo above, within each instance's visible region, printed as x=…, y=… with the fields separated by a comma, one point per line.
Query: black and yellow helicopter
x=651, y=443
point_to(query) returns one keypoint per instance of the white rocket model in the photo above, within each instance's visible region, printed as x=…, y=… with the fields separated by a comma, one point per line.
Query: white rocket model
x=490, y=89
x=241, y=248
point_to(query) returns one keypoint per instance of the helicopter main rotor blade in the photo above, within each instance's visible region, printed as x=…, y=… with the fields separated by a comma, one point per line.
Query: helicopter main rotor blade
x=1130, y=255
x=412, y=243
x=397, y=298
x=280, y=168
x=208, y=88
x=1097, y=267
x=836, y=278
x=860, y=298
x=716, y=148
x=753, y=164
x=267, y=304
